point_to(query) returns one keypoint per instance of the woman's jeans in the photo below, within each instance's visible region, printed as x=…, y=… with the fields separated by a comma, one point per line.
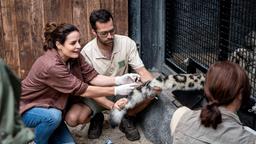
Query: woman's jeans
x=48, y=126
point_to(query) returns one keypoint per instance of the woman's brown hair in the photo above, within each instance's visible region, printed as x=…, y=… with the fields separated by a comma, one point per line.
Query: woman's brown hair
x=224, y=82
x=54, y=32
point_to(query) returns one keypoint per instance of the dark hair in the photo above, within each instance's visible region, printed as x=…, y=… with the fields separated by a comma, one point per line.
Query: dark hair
x=54, y=33
x=224, y=82
x=101, y=16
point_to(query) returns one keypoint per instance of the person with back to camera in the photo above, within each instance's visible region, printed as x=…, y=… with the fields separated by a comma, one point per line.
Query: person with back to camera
x=59, y=76
x=111, y=55
x=227, y=89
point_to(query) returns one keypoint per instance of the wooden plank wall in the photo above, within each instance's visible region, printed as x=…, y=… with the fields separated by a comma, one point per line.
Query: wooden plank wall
x=22, y=22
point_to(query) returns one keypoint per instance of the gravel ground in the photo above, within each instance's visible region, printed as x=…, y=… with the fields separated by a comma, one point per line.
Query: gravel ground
x=115, y=135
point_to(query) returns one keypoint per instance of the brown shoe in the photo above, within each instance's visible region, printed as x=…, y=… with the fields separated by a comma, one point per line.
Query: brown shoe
x=96, y=125
x=128, y=127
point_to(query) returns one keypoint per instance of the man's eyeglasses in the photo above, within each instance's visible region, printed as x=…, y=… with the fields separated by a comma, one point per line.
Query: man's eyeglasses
x=104, y=34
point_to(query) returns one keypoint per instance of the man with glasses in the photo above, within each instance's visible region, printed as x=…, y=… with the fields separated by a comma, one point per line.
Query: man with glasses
x=111, y=54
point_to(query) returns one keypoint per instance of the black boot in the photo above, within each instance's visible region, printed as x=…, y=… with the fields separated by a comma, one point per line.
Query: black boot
x=96, y=125
x=128, y=127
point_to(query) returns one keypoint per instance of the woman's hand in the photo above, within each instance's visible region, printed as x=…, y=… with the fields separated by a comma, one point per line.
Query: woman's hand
x=125, y=89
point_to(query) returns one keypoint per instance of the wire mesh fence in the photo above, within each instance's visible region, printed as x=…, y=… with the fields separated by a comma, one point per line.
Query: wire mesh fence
x=210, y=31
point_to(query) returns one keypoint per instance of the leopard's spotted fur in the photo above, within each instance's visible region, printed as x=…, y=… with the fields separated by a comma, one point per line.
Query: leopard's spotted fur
x=170, y=82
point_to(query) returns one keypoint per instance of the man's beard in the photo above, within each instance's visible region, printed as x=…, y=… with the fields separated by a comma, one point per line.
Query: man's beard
x=108, y=42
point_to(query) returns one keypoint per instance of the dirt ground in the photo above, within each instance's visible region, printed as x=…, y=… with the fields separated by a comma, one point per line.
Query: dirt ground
x=115, y=135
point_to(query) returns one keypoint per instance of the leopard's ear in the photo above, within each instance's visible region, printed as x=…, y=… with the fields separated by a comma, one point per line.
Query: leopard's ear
x=159, y=78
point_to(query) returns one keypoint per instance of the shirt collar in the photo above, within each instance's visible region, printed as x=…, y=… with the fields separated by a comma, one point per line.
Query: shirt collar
x=99, y=55
x=228, y=113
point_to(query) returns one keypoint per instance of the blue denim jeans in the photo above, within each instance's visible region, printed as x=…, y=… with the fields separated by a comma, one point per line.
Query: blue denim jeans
x=48, y=125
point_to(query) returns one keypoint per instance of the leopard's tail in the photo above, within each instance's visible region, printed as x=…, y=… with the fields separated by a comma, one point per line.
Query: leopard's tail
x=116, y=116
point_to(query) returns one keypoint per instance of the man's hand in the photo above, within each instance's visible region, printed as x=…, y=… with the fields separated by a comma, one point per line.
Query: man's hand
x=127, y=78
x=120, y=103
x=125, y=89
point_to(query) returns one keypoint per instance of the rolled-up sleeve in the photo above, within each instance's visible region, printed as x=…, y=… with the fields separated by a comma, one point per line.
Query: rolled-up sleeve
x=134, y=59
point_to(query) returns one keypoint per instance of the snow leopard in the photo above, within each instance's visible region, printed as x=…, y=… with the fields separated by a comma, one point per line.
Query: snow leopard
x=170, y=82
x=246, y=58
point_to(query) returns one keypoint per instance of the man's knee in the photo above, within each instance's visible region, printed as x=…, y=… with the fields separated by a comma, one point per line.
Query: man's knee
x=84, y=115
x=71, y=120
x=78, y=115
